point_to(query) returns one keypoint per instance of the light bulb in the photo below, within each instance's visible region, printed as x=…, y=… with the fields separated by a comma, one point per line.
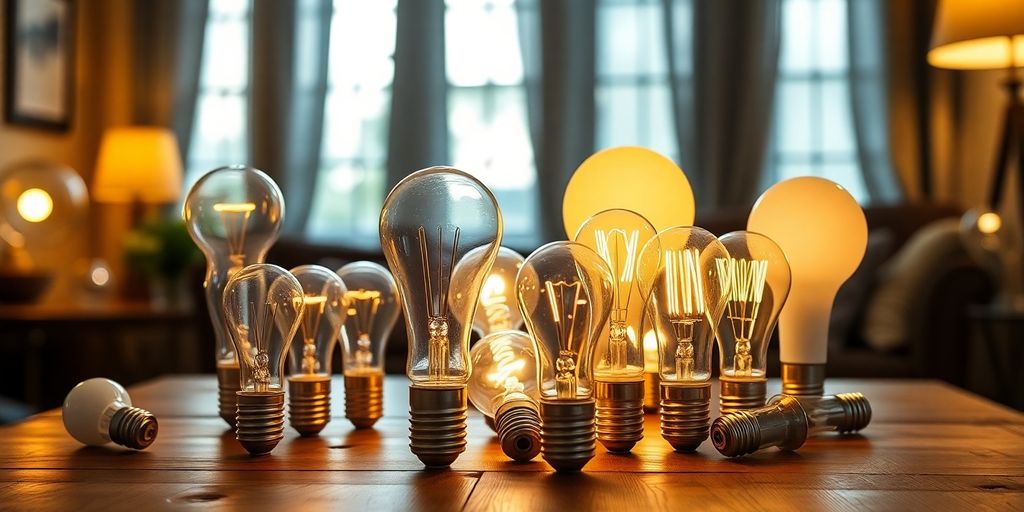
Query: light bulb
x=822, y=230
x=497, y=309
x=373, y=306
x=440, y=230
x=787, y=421
x=35, y=205
x=503, y=387
x=760, y=279
x=618, y=236
x=633, y=178
x=997, y=247
x=263, y=306
x=565, y=293
x=323, y=312
x=652, y=379
x=99, y=411
x=234, y=215
x=686, y=298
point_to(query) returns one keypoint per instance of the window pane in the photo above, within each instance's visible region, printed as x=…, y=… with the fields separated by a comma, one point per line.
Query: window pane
x=831, y=41
x=225, y=63
x=849, y=176
x=837, y=123
x=793, y=117
x=797, y=35
x=631, y=39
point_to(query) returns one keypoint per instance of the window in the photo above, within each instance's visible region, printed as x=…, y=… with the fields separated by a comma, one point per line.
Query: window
x=220, y=129
x=813, y=126
x=351, y=182
x=488, y=132
x=634, y=102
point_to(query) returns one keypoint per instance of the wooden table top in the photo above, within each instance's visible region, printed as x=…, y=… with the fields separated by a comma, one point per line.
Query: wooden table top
x=929, y=446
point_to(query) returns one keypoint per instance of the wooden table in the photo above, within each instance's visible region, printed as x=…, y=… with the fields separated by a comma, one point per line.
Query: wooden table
x=929, y=447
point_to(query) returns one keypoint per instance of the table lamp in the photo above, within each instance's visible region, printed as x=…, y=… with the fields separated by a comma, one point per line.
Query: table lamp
x=138, y=164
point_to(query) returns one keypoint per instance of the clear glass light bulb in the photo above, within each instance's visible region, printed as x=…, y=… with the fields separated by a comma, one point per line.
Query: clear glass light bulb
x=323, y=313
x=234, y=215
x=504, y=363
x=822, y=230
x=998, y=248
x=99, y=411
x=373, y=305
x=497, y=310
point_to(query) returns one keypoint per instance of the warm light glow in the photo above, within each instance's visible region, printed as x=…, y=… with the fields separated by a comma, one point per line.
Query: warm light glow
x=683, y=282
x=234, y=207
x=977, y=34
x=35, y=205
x=138, y=163
x=989, y=223
x=99, y=276
x=650, y=352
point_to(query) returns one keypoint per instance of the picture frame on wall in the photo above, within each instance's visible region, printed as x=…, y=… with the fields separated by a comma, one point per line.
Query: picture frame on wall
x=39, y=68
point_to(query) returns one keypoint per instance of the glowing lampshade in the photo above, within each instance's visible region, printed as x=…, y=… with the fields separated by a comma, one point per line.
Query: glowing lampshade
x=138, y=163
x=977, y=34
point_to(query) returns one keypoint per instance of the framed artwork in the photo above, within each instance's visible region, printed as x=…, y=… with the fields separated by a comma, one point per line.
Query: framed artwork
x=39, y=65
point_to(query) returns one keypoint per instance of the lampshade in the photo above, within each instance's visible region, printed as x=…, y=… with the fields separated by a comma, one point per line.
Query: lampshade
x=977, y=34
x=138, y=163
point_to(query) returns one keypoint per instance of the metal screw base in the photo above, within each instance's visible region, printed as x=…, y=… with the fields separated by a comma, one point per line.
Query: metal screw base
x=364, y=398
x=568, y=438
x=518, y=425
x=437, y=424
x=309, y=404
x=685, y=414
x=856, y=412
x=260, y=420
x=781, y=423
x=803, y=379
x=741, y=395
x=133, y=428
x=652, y=392
x=620, y=414
x=228, y=384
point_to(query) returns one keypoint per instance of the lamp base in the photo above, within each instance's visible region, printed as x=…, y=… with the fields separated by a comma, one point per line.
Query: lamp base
x=437, y=424
x=517, y=422
x=260, y=420
x=568, y=437
x=133, y=428
x=685, y=414
x=741, y=395
x=364, y=398
x=309, y=404
x=228, y=385
x=620, y=414
x=803, y=379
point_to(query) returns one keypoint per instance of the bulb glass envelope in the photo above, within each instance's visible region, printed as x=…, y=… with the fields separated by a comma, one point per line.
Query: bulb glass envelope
x=440, y=230
x=565, y=291
x=686, y=296
x=503, y=362
x=372, y=305
x=323, y=313
x=497, y=310
x=263, y=305
x=40, y=203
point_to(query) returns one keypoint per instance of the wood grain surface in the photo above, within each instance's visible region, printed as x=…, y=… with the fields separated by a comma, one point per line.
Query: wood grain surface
x=930, y=446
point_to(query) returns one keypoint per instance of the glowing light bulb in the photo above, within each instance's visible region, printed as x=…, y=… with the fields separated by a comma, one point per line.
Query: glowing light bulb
x=373, y=306
x=440, y=230
x=35, y=205
x=234, y=215
x=617, y=236
x=99, y=411
x=323, y=312
x=565, y=292
x=686, y=298
x=760, y=278
x=998, y=249
x=503, y=387
x=263, y=306
x=497, y=310
x=823, y=249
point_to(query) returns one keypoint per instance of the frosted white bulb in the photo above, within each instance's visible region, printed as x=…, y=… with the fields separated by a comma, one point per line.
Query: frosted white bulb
x=99, y=411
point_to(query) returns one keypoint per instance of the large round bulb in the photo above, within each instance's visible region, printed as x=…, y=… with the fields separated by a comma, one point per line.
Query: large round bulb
x=503, y=363
x=497, y=310
x=823, y=233
x=632, y=178
x=372, y=305
x=323, y=313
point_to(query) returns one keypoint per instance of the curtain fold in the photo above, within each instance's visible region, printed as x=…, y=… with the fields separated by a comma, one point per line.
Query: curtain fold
x=418, y=127
x=290, y=41
x=560, y=96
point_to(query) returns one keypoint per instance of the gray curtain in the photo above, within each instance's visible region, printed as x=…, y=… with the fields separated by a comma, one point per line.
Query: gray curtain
x=724, y=126
x=167, y=54
x=560, y=96
x=869, y=99
x=288, y=87
x=418, y=128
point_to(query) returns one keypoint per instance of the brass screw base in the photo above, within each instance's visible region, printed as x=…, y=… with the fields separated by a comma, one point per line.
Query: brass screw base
x=364, y=398
x=228, y=384
x=437, y=424
x=781, y=423
x=309, y=404
x=685, y=414
x=260, y=420
x=620, y=414
x=133, y=428
x=518, y=425
x=857, y=411
x=803, y=379
x=568, y=438
x=741, y=395
x=652, y=392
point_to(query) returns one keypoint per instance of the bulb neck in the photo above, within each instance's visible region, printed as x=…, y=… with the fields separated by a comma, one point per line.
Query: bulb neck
x=685, y=414
x=741, y=395
x=133, y=427
x=620, y=414
x=309, y=404
x=517, y=422
x=437, y=424
x=260, y=422
x=568, y=436
x=803, y=379
x=782, y=423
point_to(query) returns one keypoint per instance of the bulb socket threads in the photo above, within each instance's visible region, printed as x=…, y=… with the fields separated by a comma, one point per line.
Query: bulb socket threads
x=652, y=392
x=517, y=422
x=309, y=404
x=620, y=414
x=685, y=414
x=437, y=424
x=803, y=379
x=228, y=385
x=364, y=398
x=856, y=412
x=260, y=421
x=568, y=436
x=741, y=395
x=133, y=427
